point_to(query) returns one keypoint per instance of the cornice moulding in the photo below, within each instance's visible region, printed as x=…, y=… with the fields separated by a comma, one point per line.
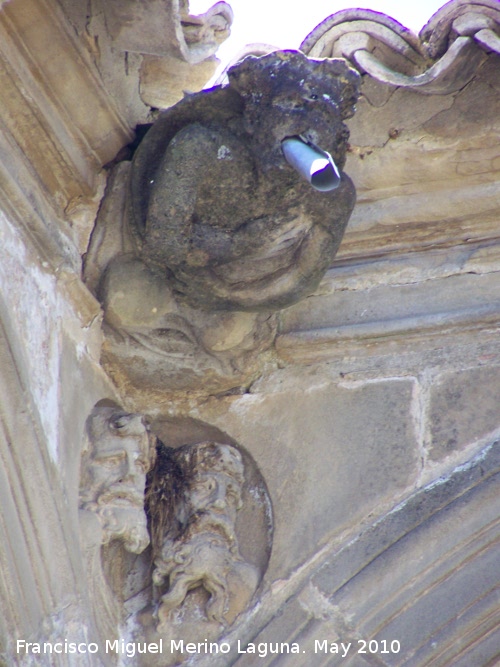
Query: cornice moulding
x=440, y=60
x=167, y=29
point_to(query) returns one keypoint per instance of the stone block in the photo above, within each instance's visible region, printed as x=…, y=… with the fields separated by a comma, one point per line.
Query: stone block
x=329, y=455
x=463, y=409
x=433, y=590
x=281, y=629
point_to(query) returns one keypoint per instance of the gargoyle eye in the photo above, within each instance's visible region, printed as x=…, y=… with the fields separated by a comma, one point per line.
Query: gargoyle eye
x=313, y=96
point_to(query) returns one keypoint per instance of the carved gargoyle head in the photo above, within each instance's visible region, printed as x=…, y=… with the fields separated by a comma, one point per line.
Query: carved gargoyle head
x=216, y=205
x=287, y=94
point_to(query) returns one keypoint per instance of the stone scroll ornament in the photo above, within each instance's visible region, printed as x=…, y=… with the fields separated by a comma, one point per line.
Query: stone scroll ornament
x=237, y=204
x=193, y=500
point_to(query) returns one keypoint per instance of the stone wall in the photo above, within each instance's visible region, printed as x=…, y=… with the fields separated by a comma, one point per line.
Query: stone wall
x=373, y=423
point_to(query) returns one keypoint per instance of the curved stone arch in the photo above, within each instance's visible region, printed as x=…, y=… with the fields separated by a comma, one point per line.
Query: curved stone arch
x=439, y=543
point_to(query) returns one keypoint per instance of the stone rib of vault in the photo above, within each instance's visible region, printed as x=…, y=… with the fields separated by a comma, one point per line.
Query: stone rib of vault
x=442, y=59
x=339, y=573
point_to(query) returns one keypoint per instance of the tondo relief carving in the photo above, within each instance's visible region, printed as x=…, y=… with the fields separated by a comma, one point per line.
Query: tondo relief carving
x=176, y=511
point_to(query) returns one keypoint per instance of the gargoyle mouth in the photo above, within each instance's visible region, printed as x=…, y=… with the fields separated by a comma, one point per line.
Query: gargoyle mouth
x=312, y=163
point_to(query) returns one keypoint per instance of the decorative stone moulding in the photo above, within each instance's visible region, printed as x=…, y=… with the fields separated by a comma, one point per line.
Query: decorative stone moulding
x=210, y=231
x=167, y=28
x=441, y=60
x=53, y=143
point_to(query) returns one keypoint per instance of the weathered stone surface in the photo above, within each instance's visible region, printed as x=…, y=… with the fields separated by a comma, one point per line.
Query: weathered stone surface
x=193, y=500
x=159, y=343
x=375, y=319
x=463, y=409
x=116, y=458
x=433, y=591
x=162, y=28
x=214, y=201
x=53, y=145
x=361, y=568
x=377, y=306
x=425, y=168
x=346, y=437
x=442, y=59
x=210, y=520
x=182, y=79
x=210, y=249
x=329, y=455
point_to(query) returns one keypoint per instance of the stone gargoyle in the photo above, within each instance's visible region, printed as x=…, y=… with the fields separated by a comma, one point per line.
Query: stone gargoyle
x=223, y=223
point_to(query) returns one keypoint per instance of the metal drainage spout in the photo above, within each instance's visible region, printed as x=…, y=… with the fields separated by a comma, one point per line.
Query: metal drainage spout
x=312, y=163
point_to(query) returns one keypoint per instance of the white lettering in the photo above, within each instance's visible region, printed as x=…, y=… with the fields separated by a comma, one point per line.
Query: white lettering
x=272, y=647
x=345, y=648
x=56, y=647
x=323, y=646
x=129, y=649
x=112, y=646
x=177, y=646
x=262, y=649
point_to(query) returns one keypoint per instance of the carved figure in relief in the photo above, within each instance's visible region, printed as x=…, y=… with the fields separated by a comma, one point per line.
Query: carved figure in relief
x=193, y=501
x=217, y=231
x=215, y=202
x=118, y=455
